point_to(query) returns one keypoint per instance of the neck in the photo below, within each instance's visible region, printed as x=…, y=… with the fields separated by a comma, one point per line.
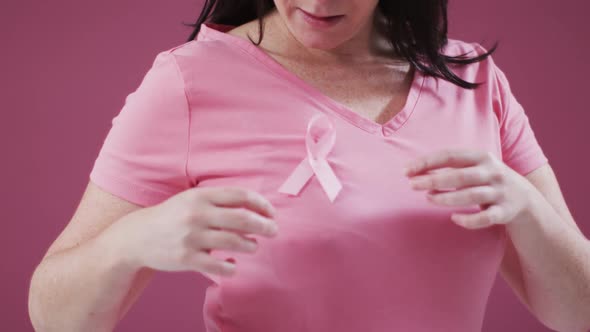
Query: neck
x=368, y=46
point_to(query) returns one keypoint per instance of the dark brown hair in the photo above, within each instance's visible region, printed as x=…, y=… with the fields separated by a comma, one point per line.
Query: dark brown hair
x=417, y=30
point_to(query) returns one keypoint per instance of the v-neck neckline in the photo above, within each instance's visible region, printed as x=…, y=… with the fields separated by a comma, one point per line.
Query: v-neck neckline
x=217, y=31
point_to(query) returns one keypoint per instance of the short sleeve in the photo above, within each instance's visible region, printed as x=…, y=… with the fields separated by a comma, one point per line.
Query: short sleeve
x=143, y=157
x=520, y=148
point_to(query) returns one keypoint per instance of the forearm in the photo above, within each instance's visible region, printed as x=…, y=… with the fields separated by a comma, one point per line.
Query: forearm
x=555, y=264
x=80, y=289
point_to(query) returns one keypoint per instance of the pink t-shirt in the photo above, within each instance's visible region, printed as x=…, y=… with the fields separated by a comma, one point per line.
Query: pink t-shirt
x=358, y=249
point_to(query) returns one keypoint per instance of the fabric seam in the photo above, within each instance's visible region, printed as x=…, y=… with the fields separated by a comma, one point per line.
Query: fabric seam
x=188, y=113
x=154, y=193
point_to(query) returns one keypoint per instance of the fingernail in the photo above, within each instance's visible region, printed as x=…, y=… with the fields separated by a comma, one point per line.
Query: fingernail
x=252, y=246
x=407, y=170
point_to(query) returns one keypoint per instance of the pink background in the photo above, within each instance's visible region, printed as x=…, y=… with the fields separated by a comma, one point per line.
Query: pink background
x=66, y=67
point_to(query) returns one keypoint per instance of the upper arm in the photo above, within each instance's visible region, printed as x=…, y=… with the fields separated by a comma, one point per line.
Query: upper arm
x=144, y=157
x=522, y=152
x=545, y=181
x=141, y=163
x=96, y=211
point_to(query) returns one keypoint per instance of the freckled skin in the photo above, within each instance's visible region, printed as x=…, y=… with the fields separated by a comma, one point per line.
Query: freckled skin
x=367, y=80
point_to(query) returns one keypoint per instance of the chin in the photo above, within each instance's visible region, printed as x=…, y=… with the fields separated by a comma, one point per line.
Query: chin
x=316, y=38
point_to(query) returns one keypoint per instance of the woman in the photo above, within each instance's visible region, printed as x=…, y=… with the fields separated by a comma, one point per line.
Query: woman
x=276, y=169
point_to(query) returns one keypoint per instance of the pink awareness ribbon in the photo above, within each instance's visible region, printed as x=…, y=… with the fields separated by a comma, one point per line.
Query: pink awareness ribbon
x=315, y=163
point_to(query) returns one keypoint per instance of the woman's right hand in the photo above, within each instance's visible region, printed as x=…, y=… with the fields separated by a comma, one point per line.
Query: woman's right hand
x=179, y=233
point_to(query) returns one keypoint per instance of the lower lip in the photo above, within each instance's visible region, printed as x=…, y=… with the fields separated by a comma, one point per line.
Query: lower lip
x=321, y=22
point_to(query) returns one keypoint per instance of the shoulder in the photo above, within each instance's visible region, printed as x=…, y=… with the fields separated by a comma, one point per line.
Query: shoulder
x=204, y=48
x=458, y=46
x=483, y=71
x=204, y=59
x=192, y=49
x=495, y=85
x=205, y=51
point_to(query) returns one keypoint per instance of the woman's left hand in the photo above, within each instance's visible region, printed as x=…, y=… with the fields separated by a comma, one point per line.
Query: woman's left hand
x=478, y=177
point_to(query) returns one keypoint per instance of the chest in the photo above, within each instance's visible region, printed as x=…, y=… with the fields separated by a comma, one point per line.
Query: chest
x=372, y=91
x=376, y=217
x=377, y=91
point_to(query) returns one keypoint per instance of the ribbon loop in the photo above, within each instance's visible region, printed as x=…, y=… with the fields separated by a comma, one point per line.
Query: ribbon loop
x=315, y=162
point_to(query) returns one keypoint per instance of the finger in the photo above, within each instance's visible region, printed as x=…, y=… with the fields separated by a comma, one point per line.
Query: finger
x=452, y=179
x=486, y=218
x=212, y=239
x=469, y=196
x=445, y=158
x=204, y=262
x=243, y=221
x=241, y=197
